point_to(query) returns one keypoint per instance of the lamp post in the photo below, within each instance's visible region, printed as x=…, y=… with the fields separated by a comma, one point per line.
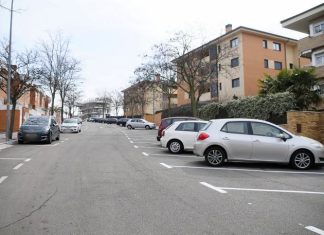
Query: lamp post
x=8, y=134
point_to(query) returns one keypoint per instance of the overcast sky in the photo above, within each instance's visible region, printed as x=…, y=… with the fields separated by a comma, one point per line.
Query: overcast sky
x=109, y=36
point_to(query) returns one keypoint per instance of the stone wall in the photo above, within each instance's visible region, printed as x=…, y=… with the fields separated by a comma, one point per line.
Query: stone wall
x=306, y=123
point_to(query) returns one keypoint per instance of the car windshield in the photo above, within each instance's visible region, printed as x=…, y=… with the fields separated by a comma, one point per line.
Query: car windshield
x=70, y=121
x=37, y=121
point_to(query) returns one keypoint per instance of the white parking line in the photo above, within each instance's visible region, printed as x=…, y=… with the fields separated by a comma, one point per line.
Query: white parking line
x=173, y=155
x=145, y=154
x=219, y=189
x=213, y=187
x=250, y=170
x=3, y=178
x=27, y=160
x=18, y=166
x=165, y=165
x=132, y=142
x=5, y=146
x=135, y=146
x=146, y=147
x=8, y=158
x=315, y=230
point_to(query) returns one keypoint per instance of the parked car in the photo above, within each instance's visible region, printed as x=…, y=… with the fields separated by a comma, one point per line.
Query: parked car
x=71, y=125
x=165, y=122
x=111, y=120
x=181, y=135
x=122, y=121
x=139, y=123
x=39, y=129
x=254, y=140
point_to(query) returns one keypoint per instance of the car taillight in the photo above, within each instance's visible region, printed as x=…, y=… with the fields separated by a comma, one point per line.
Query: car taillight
x=202, y=136
x=163, y=133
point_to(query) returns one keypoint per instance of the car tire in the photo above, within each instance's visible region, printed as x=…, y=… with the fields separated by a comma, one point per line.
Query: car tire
x=79, y=130
x=175, y=146
x=58, y=137
x=302, y=160
x=49, y=138
x=215, y=156
x=20, y=141
x=129, y=127
x=147, y=127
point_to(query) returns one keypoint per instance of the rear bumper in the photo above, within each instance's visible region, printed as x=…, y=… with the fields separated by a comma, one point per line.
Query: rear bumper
x=158, y=138
x=199, y=149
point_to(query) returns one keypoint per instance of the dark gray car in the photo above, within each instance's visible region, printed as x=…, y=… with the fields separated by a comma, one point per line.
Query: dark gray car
x=39, y=129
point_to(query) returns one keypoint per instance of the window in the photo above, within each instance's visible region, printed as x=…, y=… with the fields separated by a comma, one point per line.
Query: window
x=236, y=128
x=212, y=53
x=266, y=63
x=318, y=28
x=319, y=59
x=234, y=42
x=235, y=62
x=264, y=129
x=276, y=46
x=187, y=126
x=291, y=66
x=220, y=86
x=235, y=82
x=265, y=44
x=277, y=65
x=200, y=126
x=219, y=67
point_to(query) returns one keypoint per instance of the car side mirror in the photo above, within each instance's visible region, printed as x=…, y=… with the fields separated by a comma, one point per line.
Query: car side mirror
x=282, y=136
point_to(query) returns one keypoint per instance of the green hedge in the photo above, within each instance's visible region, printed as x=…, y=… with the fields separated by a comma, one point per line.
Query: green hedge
x=271, y=107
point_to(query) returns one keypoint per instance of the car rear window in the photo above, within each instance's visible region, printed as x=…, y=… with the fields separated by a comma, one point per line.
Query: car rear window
x=166, y=122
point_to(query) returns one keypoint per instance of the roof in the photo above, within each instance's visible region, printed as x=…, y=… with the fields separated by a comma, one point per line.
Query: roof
x=237, y=30
x=301, y=21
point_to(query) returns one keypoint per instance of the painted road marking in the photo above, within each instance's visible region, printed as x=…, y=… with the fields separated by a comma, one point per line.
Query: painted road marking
x=146, y=147
x=5, y=146
x=27, y=160
x=250, y=170
x=172, y=155
x=145, y=154
x=135, y=146
x=315, y=230
x=213, y=187
x=18, y=166
x=7, y=158
x=3, y=178
x=259, y=190
x=165, y=165
x=62, y=141
x=132, y=142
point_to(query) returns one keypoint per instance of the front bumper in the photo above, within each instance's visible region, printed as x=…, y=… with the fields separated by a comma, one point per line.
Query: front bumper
x=69, y=129
x=32, y=137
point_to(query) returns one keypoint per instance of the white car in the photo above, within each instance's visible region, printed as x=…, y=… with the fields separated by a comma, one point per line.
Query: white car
x=139, y=123
x=255, y=140
x=181, y=135
x=71, y=125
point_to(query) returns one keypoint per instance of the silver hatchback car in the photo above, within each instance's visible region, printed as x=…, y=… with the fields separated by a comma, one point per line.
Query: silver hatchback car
x=224, y=140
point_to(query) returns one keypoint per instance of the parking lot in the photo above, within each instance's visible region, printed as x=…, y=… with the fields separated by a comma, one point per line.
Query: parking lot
x=286, y=193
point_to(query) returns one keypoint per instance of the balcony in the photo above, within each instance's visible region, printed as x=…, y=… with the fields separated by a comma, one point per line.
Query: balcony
x=319, y=71
x=310, y=43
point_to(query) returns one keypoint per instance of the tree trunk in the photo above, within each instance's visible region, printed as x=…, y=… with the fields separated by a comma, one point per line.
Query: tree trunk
x=193, y=102
x=52, y=108
x=62, y=109
x=12, y=118
x=70, y=111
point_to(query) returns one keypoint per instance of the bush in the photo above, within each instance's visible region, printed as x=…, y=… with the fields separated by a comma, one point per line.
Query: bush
x=272, y=108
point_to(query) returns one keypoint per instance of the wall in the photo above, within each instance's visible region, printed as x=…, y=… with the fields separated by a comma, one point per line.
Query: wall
x=311, y=124
x=3, y=120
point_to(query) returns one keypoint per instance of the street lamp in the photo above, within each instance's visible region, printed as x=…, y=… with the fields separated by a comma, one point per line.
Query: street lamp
x=9, y=77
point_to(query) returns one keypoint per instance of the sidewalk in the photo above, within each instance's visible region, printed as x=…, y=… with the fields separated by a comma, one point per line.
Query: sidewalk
x=3, y=137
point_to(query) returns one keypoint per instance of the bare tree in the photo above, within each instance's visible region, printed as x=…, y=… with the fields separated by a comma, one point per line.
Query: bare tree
x=54, y=56
x=195, y=69
x=116, y=100
x=24, y=77
x=72, y=98
x=106, y=102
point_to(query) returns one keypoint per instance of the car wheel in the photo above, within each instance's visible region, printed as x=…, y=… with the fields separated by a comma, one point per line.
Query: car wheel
x=302, y=160
x=147, y=127
x=49, y=138
x=79, y=130
x=20, y=141
x=58, y=137
x=215, y=156
x=175, y=146
x=129, y=127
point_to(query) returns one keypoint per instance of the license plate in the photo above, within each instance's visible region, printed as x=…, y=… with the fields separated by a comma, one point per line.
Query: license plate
x=31, y=136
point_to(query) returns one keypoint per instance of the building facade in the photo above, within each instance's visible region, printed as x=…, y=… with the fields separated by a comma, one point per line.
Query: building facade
x=253, y=54
x=93, y=108
x=310, y=22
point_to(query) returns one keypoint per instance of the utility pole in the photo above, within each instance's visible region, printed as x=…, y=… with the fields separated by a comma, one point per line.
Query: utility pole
x=8, y=132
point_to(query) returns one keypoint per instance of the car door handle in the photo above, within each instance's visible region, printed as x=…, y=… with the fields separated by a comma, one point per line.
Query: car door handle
x=225, y=138
x=256, y=140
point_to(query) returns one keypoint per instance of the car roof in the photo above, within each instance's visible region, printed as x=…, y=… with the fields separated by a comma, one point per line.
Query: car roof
x=193, y=118
x=202, y=121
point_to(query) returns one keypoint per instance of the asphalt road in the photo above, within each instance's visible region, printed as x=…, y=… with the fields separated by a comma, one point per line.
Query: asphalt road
x=110, y=180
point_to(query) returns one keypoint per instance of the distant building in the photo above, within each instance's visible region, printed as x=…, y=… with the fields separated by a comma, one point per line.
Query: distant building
x=310, y=22
x=92, y=108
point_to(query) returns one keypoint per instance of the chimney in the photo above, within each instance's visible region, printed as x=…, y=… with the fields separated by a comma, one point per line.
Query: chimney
x=228, y=28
